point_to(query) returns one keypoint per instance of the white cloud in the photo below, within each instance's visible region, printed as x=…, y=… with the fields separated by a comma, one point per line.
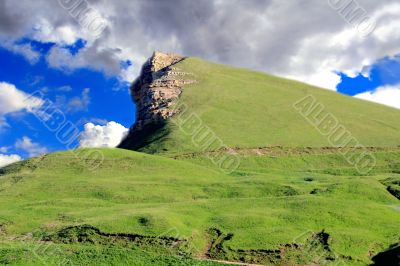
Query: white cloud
x=65, y=88
x=62, y=34
x=307, y=40
x=387, y=95
x=9, y=159
x=326, y=79
x=62, y=58
x=3, y=124
x=13, y=100
x=95, y=57
x=129, y=74
x=25, y=50
x=109, y=135
x=75, y=104
x=32, y=148
x=80, y=103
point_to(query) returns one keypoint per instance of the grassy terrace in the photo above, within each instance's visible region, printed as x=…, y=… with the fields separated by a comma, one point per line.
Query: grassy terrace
x=150, y=195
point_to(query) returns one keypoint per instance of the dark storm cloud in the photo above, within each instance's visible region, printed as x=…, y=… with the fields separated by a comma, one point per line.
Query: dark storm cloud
x=293, y=38
x=8, y=22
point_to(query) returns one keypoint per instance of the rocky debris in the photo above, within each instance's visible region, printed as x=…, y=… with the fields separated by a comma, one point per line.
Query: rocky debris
x=155, y=93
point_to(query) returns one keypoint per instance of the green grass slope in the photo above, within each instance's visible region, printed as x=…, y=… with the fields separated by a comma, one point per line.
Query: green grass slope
x=290, y=201
x=137, y=201
x=247, y=109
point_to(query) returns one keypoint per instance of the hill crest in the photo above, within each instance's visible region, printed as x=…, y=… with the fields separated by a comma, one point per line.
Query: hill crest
x=243, y=108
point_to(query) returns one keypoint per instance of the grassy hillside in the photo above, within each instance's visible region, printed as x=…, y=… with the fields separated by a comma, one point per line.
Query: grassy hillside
x=292, y=200
x=251, y=109
x=264, y=208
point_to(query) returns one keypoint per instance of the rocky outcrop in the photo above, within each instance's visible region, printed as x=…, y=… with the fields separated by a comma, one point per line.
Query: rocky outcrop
x=155, y=92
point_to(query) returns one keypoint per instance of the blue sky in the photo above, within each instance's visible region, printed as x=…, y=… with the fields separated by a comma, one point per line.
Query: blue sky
x=384, y=72
x=83, y=64
x=107, y=99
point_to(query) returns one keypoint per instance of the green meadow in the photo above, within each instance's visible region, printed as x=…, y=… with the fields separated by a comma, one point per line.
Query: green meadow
x=151, y=195
x=170, y=204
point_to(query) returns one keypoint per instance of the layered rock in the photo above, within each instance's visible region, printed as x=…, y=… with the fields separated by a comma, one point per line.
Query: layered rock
x=155, y=92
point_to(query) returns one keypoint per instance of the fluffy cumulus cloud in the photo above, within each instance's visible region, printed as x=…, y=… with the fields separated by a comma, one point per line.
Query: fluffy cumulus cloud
x=31, y=148
x=9, y=159
x=14, y=100
x=388, y=95
x=109, y=135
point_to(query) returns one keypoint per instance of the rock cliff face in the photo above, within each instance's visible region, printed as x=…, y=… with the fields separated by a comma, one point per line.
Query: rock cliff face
x=155, y=92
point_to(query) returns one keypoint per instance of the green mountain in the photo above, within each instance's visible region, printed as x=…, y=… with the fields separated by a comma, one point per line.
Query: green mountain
x=230, y=165
x=248, y=109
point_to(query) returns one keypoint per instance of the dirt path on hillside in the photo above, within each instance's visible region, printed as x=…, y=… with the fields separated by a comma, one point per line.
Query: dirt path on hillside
x=231, y=262
x=289, y=151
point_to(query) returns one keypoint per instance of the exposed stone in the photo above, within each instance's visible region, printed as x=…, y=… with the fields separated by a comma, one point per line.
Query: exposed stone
x=155, y=92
